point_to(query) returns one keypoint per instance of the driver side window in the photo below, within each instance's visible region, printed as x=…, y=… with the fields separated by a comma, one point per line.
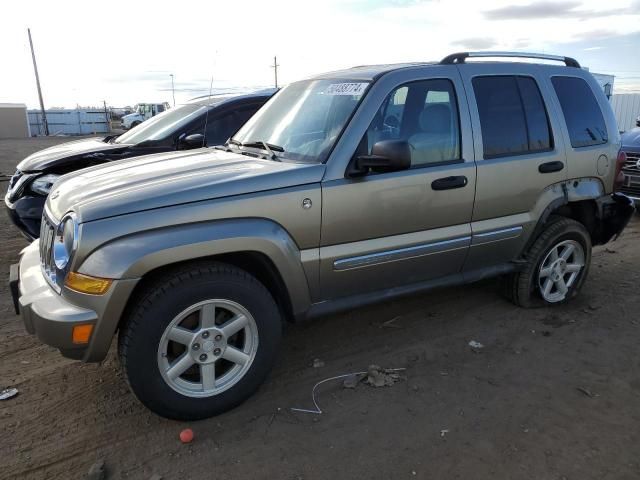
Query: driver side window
x=423, y=114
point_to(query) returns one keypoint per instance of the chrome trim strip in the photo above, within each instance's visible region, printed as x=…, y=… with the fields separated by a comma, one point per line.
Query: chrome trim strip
x=496, y=235
x=401, y=253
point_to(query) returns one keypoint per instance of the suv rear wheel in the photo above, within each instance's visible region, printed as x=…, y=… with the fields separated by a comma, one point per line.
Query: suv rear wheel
x=557, y=265
x=199, y=341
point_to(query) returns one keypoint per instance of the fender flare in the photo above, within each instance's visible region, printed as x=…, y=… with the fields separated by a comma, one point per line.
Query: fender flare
x=565, y=193
x=133, y=256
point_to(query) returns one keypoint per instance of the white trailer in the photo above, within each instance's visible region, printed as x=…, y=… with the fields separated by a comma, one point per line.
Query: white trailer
x=82, y=121
x=626, y=106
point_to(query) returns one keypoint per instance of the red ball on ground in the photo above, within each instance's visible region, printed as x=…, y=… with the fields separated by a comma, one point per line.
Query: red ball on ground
x=186, y=435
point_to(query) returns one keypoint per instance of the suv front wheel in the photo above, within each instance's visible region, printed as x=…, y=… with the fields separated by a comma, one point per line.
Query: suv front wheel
x=556, y=266
x=199, y=341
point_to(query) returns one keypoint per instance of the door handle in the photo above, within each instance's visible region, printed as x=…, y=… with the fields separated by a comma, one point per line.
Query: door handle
x=550, y=167
x=447, y=183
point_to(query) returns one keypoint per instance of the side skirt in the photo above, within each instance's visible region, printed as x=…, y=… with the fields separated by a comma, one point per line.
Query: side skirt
x=328, y=307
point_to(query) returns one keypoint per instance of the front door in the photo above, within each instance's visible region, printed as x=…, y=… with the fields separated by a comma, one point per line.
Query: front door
x=392, y=229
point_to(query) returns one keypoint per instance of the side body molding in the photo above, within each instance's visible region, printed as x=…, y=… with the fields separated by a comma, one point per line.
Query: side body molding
x=132, y=256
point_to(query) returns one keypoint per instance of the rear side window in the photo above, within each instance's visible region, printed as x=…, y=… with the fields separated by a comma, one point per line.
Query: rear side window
x=512, y=114
x=535, y=114
x=581, y=112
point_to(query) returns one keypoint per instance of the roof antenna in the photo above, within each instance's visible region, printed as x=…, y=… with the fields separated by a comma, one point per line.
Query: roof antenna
x=206, y=117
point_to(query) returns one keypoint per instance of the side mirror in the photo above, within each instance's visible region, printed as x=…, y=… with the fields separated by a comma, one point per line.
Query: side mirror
x=638, y=122
x=386, y=156
x=195, y=140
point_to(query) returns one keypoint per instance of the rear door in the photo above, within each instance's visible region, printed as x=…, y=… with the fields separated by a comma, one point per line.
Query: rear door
x=520, y=154
x=392, y=229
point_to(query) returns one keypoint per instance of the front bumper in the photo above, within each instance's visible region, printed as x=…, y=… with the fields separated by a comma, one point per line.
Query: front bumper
x=631, y=187
x=51, y=316
x=26, y=214
x=45, y=313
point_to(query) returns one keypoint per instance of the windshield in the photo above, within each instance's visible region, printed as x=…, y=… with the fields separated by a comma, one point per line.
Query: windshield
x=161, y=125
x=304, y=119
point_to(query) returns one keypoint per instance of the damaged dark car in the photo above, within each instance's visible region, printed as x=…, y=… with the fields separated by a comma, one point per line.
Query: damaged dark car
x=631, y=168
x=179, y=128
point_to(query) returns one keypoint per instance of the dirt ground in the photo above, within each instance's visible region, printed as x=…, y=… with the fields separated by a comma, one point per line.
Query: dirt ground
x=553, y=394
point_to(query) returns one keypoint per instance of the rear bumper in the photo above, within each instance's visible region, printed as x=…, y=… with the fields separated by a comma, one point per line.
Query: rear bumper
x=614, y=213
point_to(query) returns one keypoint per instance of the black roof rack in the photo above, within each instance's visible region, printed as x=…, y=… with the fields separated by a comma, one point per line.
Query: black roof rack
x=460, y=57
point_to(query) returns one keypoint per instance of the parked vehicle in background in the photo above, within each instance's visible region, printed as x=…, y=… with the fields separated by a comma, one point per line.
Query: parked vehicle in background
x=631, y=168
x=345, y=189
x=142, y=112
x=180, y=128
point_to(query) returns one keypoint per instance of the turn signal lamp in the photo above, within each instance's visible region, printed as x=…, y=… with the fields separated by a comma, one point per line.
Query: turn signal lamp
x=87, y=284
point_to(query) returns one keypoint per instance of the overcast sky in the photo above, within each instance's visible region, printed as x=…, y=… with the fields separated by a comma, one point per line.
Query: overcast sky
x=123, y=52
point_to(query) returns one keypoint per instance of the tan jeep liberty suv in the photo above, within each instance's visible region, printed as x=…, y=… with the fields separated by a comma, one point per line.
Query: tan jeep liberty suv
x=348, y=188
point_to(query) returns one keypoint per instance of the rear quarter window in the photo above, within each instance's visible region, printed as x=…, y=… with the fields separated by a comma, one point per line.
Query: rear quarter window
x=581, y=112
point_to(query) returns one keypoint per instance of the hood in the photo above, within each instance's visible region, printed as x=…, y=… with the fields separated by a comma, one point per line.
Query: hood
x=631, y=139
x=167, y=179
x=130, y=115
x=60, y=155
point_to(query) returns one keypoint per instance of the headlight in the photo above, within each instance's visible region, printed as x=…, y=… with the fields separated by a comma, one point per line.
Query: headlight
x=65, y=241
x=42, y=185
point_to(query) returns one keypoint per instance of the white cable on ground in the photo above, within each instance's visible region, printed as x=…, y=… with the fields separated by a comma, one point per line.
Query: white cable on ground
x=317, y=410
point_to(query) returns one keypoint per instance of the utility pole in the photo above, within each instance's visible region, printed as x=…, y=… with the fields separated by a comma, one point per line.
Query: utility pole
x=275, y=69
x=106, y=117
x=173, y=90
x=35, y=69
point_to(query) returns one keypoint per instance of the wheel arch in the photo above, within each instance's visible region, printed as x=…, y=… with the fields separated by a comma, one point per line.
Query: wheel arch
x=579, y=199
x=253, y=262
x=259, y=246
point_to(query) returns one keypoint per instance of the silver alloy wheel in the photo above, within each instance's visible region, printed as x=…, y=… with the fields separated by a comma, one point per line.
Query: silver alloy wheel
x=560, y=270
x=208, y=348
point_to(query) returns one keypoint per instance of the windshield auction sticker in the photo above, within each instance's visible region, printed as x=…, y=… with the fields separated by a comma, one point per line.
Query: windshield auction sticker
x=346, y=88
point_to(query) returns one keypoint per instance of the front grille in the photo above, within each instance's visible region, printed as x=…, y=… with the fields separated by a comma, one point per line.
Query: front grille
x=16, y=185
x=47, y=233
x=14, y=179
x=631, y=170
x=632, y=165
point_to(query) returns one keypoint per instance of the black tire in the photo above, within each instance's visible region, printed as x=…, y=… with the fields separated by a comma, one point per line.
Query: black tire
x=134, y=124
x=522, y=287
x=160, y=302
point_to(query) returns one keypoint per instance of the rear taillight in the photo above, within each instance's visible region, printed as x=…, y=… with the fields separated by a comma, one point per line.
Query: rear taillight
x=620, y=161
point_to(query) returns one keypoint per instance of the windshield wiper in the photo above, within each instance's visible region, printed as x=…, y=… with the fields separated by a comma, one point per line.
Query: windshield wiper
x=269, y=147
